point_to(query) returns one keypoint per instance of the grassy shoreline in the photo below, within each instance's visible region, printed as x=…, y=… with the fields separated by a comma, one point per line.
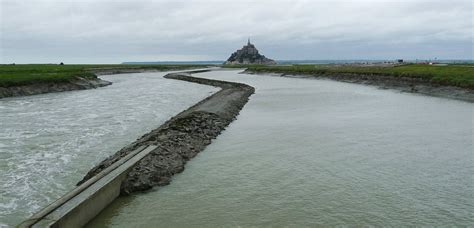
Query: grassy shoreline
x=448, y=75
x=28, y=74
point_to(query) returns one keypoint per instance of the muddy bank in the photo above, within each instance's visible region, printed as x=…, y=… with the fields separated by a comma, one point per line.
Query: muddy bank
x=182, y=137
x=121, y=71
x=77, y=83
x=110, y=71
x=403, y=84
x=124, y=71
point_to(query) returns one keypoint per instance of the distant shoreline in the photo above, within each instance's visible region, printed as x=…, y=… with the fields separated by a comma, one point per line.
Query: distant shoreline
x=403, y=84
x=26, y=80
x=77, y=83
x=307, y=61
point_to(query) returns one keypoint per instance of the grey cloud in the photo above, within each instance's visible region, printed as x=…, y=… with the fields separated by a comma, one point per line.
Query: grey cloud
x=115, y=31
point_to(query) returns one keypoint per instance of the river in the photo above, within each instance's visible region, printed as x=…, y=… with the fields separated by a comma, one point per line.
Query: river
x=48, y=142
x=319, y=152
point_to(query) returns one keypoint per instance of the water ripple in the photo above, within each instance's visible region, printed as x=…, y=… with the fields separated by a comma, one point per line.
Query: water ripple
x=48, y=142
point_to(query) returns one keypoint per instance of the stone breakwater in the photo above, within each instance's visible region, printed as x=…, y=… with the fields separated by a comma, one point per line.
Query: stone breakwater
x=77, y=83
x=403, y=84
x=182, y=137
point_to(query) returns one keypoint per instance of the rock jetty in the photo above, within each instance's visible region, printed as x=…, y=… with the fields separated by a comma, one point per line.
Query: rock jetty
x=248, y=55
x=182, y=137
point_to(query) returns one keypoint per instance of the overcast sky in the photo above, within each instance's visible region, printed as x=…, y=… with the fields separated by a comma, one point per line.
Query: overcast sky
x=95, y=31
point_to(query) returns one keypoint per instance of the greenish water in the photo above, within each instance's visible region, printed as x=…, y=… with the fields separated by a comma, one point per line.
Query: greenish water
x=315, y=152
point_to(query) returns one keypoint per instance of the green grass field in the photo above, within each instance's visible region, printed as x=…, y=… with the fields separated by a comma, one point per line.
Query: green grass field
x=25, y=74
x=455, y=75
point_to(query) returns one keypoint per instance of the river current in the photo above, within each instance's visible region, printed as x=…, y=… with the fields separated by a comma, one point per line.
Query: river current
x=48, y=142
x=306, y=152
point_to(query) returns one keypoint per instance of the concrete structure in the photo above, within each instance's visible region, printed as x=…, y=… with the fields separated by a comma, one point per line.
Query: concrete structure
x=83, y=203
x=151, y=160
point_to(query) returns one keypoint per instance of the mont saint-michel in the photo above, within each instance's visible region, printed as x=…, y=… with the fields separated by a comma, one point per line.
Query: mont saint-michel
x=249, y=55
x=271, y=113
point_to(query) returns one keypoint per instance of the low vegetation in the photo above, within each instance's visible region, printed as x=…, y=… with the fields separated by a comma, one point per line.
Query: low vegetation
x=25, y=74
x=454, y=75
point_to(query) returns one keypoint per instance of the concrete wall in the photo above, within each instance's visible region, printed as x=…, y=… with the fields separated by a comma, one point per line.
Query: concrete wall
x=83, y=203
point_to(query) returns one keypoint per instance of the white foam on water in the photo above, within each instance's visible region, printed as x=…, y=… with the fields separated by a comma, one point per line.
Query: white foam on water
x=48, y=142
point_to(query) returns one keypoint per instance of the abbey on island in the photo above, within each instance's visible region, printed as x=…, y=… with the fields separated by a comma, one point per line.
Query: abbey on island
x=248, y=54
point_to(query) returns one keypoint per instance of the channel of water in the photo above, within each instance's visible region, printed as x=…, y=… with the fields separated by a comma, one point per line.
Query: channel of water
x=319, y=152
x=48, y=142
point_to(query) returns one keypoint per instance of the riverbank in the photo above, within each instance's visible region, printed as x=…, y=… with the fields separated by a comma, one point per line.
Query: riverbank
x=454, y=82
x=309, y=153
x=182, y=137
x=31, y=79
x=76, y=83
x=57, y=138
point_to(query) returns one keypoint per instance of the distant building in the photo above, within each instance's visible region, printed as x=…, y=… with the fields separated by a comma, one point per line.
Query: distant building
x=400, y=60
x=248, y=55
